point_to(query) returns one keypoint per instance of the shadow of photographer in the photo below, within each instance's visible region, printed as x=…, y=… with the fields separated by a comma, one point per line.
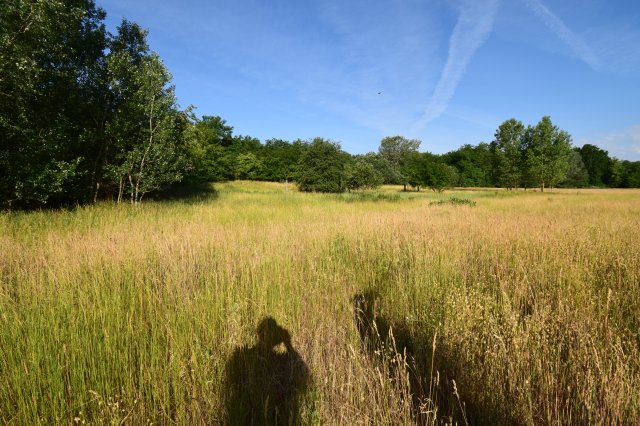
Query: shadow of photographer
x=265, y=382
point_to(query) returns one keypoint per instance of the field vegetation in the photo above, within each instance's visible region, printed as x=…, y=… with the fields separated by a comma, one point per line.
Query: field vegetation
x=399, y=308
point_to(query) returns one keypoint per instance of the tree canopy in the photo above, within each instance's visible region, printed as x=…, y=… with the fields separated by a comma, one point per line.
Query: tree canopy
x=83, y=113
x=547, y=150
x=322, y=167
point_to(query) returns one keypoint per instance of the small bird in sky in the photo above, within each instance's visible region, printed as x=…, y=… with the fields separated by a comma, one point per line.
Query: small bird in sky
x=379, y=93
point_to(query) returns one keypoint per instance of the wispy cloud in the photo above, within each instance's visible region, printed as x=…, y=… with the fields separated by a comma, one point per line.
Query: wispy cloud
x=618, y=48
x=623, y=144
x=471, y=31
x=555, y=24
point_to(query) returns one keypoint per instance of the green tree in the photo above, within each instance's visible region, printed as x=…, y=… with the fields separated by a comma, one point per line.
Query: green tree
x=248, y=166
x=49, y=54
x=631, y=174
x=362, y=175
x=322, y=167
x=208, y=151
x=577, y=175
x=242, y=145
x=393, y=149
x=414, y=170
x=597, y=163
x=474, y=165
x=547, y=153
x=216, y=130
x=426, y=169
x=507, y=150
x=438, y=176
x=615, y=177
x=148, y=149
x=280, y=159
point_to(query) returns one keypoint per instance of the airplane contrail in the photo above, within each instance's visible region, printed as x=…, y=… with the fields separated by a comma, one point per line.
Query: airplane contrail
x=473, y=28
x=556, y=25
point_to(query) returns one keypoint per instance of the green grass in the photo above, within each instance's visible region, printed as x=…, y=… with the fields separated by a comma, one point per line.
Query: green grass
x=113, y=314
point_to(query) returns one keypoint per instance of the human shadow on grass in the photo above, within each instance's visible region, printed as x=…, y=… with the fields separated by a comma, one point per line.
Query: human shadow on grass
x=432, y=371
x=265, y=382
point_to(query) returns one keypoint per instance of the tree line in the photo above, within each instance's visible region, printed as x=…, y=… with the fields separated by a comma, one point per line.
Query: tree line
x=534, y=156
x=87, y=115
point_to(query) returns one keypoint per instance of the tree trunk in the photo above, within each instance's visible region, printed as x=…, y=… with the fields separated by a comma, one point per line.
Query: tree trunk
x=152, y=130
x=120, y=190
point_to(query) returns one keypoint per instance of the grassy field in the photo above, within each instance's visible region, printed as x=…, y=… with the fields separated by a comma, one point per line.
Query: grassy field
x=521, y=309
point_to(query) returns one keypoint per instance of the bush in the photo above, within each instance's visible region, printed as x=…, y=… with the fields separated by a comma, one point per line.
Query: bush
x=455, y=201
x=322, y=167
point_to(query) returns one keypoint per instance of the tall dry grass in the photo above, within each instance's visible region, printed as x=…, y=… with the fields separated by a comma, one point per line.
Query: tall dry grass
x=524, y=309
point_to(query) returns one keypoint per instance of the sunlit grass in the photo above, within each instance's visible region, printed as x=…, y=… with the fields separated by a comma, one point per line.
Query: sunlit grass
x=112, y=313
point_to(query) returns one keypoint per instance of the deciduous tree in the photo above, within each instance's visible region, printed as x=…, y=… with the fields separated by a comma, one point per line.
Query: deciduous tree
x=322, y=167
x=597, y=163
x=362, y=175
x=393, y=149
x=49, y=53
x=507, y=150
x=146, y=136
x=547, y=153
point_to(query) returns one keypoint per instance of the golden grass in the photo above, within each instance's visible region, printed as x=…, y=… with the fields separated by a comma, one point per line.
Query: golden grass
x=118, y=313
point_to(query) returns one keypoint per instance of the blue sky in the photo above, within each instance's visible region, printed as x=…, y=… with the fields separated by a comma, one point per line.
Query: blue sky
x=445, y=72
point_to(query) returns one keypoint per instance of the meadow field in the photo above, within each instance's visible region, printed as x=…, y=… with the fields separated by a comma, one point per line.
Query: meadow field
x=402, y=308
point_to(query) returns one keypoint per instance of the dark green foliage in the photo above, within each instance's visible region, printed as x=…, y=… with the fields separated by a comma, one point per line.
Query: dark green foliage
x=547, y=150
x=413, y=169
x=616, y=173
x=210, y=160
x=474, y=165
x=439, y=176
x=631, y=174
x=189, y=193
x=83, y=114
x=597, y=163
x=280, y=159
x=322, y=167
x=425, y=169
x=362, y=175
x=577, y=175
x=248, y=166
x=456, y=201
x=352, y=197
x=508, y=152
x=50, y=55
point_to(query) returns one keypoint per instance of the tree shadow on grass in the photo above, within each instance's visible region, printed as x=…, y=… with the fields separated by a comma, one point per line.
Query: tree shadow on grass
x=265, y=382
x=431, y=371
x=183, y=192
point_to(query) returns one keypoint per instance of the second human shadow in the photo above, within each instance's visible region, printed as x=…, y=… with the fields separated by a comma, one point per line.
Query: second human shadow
x=431, y=372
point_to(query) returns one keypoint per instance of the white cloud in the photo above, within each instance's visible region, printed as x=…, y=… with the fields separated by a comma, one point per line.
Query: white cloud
x=555, y=24
x=623, y=144
x=472, y=29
